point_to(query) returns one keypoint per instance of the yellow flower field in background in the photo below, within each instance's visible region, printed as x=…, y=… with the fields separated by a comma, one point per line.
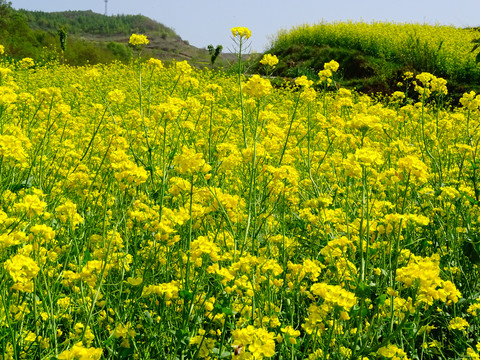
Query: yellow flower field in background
x=445, y=48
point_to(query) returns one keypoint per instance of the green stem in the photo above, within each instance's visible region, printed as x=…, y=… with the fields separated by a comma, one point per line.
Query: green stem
x=289, y=130
x=242, y=107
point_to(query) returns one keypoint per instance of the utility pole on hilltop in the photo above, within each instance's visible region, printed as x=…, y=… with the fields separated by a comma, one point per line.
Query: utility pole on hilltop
x=106, y=1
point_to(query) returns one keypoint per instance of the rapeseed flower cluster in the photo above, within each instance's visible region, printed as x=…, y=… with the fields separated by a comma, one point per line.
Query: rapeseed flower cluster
x=253, y=343
x=23, y=270
x=425, y=274
x=257, y=86
x=241, y=32
x=269, y=59
x=138, y=40
x=326, y=74
x=392, y=352
x=78, y=352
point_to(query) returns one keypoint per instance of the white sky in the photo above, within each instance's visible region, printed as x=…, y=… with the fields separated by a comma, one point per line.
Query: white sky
x=210, y=21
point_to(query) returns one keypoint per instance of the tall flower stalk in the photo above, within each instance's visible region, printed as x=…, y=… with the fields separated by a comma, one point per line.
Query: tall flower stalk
x=240, y=37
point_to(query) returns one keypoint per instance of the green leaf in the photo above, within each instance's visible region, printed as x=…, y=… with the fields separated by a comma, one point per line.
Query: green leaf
x=86, y=257
x=224, y=354
x=472, y=251
x=364, y=290
x=356, y=311
x=380, y=300
x=186, y=295
x=227, y=311
x=126, y=353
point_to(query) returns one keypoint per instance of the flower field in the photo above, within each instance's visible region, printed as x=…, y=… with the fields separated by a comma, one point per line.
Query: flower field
x=445, y=49
x=162, y=212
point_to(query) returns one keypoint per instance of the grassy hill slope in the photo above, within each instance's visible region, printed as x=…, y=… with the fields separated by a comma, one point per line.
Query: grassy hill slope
x=91, y=37
x=373, y=57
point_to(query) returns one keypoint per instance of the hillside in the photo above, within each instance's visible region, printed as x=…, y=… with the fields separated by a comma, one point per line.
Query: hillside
x=113, y=30
x=89, y=22
x=91, y=37
x=373, y=57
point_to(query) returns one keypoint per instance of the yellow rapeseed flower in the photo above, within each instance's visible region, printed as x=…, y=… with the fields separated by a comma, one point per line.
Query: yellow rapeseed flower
x=155, y=63
x=22, y=269
x=258, y=86
x=269, y=59
x=392, y=352
x=31, y=205
x=116, y=96
x=303, y=81
x=190, y=162
x=26, y=63
x=335, y=295
x=291, y=334
x=332, y=65
x=458, y=323
x=256, y=343
x=78, y=352
x=241, y=32
x=138, y=40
